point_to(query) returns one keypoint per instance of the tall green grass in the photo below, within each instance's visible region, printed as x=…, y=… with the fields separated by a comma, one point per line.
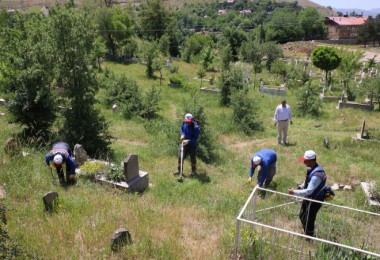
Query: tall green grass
x=171, y=220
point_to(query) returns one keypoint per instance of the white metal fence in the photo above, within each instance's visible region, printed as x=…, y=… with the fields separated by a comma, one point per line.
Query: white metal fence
x=271, y=229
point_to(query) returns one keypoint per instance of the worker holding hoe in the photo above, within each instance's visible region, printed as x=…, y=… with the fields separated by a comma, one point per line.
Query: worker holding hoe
x=60, y=154
x=188, y=142
x=265, y=160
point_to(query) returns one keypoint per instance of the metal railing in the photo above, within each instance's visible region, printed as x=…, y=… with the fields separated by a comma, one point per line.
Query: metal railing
x=270, y=228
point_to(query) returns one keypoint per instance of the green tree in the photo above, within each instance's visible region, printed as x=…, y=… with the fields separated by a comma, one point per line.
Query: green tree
x=150, y=103
x=201, y=73
x=245, y=112
x=207, y=58
x=348, y=67
x=194, y=46
x=73, y=40
x=116, y=29
x=371, y=88
x=312, y=23
x=279, y=68
x=367, y=32
x=229, y=82
x=234, y=38
x=207, y=149
x=273, y=51
x=27, y=74
x=325, y=58
x=309, y=103
x=154, y=19
x=283, y=27
x=225, y=58
x=150, y=52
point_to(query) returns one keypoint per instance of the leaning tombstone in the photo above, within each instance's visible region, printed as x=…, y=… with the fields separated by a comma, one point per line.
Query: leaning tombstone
x=120, y=238
x=363, y=134
x=80, y=155
x=50, y=200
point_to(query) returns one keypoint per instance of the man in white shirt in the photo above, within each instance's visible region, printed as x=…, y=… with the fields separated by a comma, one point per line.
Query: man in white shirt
x=282, y=116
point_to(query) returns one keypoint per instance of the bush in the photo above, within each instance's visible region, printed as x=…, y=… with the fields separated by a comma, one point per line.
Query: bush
x=309, y=102
x=178, y=80
x=230, y=81
x=245, y=112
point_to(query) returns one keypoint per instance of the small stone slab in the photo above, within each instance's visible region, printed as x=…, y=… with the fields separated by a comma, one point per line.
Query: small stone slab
x=366, y=186
x=208, y=90
x=120, y=238
x=50, y=200
x=335, y=187
x=131, y=167
x=138, y=184
x=2, y=101
x=80, y=155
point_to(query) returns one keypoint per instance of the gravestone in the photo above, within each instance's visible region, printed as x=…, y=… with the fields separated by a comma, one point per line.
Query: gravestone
x=114, y=108
x=120, y=238
x=131, y=167
x=363, y=134
x=80, y=154
x=2, y=101
x=50, y=200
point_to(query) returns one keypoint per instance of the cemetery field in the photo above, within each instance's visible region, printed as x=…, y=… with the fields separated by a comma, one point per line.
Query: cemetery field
x=171, y=220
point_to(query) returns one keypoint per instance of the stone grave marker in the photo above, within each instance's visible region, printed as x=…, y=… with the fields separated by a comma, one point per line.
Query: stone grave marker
x=120, y=238
x=131, y=167
x=80, y=154
x=363, y=134
x=50, y=200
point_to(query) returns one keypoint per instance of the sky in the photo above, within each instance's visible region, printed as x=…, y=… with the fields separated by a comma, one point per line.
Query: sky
x=348, y=4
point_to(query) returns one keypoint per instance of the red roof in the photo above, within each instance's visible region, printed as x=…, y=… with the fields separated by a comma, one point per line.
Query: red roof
x=347, y=20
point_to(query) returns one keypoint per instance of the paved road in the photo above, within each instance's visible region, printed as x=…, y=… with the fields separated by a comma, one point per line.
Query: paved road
x=370, y=54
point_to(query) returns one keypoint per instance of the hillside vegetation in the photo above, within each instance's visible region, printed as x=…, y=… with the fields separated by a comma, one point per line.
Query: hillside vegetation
x=86, y=74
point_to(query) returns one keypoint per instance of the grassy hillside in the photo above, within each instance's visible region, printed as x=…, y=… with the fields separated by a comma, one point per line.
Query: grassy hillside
x=24, y=4
x=190, y=220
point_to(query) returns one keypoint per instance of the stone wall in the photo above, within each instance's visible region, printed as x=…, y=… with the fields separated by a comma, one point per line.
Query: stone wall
x=207, y=90
x=273, y=91
x=348, y=104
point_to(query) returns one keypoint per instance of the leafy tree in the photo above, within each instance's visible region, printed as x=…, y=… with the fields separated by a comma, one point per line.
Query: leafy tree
x=279, y=68
x=73, y=40
x=194, y=46
x=116, y=29
x=225, y=58
x=312, y=23
x=123, y=92
x=150, y=54
x=348, y=67
x=154, y=18
x=283, y=27
x=201, y=73
x=245, y=112
x=207, y=58
x=273, y=51
x=371, y=88
x=367, y=32
x=309, y=103
x=325, y=58
x=207, y=148
x=150, y=103
x=229, y=82
x=27, y=74
x=234, y=38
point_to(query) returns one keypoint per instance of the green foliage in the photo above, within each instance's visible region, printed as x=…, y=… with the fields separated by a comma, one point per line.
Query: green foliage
x=325, y=58
x=116, y=174
x=283, y=27
x=115, y=27
x=347, y=68
x=207, y=58
x=225, y=58
x=194, y=46
x=370, y=88
x=27, y=75
x=309, y=103
x=74, y=48
x=154, y=18
x=207, y=149
x=177, y=80
x=279, y=68
x=150, y=52
x=150, y=103
x=245, y=112
x=230, y=81
x=234, y=38
x=312, y=23
x=273, y=51
x=201, y=73
x=375, y=191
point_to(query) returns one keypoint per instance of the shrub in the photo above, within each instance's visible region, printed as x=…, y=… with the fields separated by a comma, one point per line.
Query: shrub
x=230, y=81
x=245, y=112
x=178, y=80
x=309, y=102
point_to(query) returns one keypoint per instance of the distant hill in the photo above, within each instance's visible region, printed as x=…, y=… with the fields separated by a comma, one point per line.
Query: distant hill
x=24, y=4
x=372, y=12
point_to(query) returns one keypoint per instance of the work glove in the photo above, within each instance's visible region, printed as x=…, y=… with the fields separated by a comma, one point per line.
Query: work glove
x=182, y=138
x=250, y=180
x=291, y=122
x=185, y=142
